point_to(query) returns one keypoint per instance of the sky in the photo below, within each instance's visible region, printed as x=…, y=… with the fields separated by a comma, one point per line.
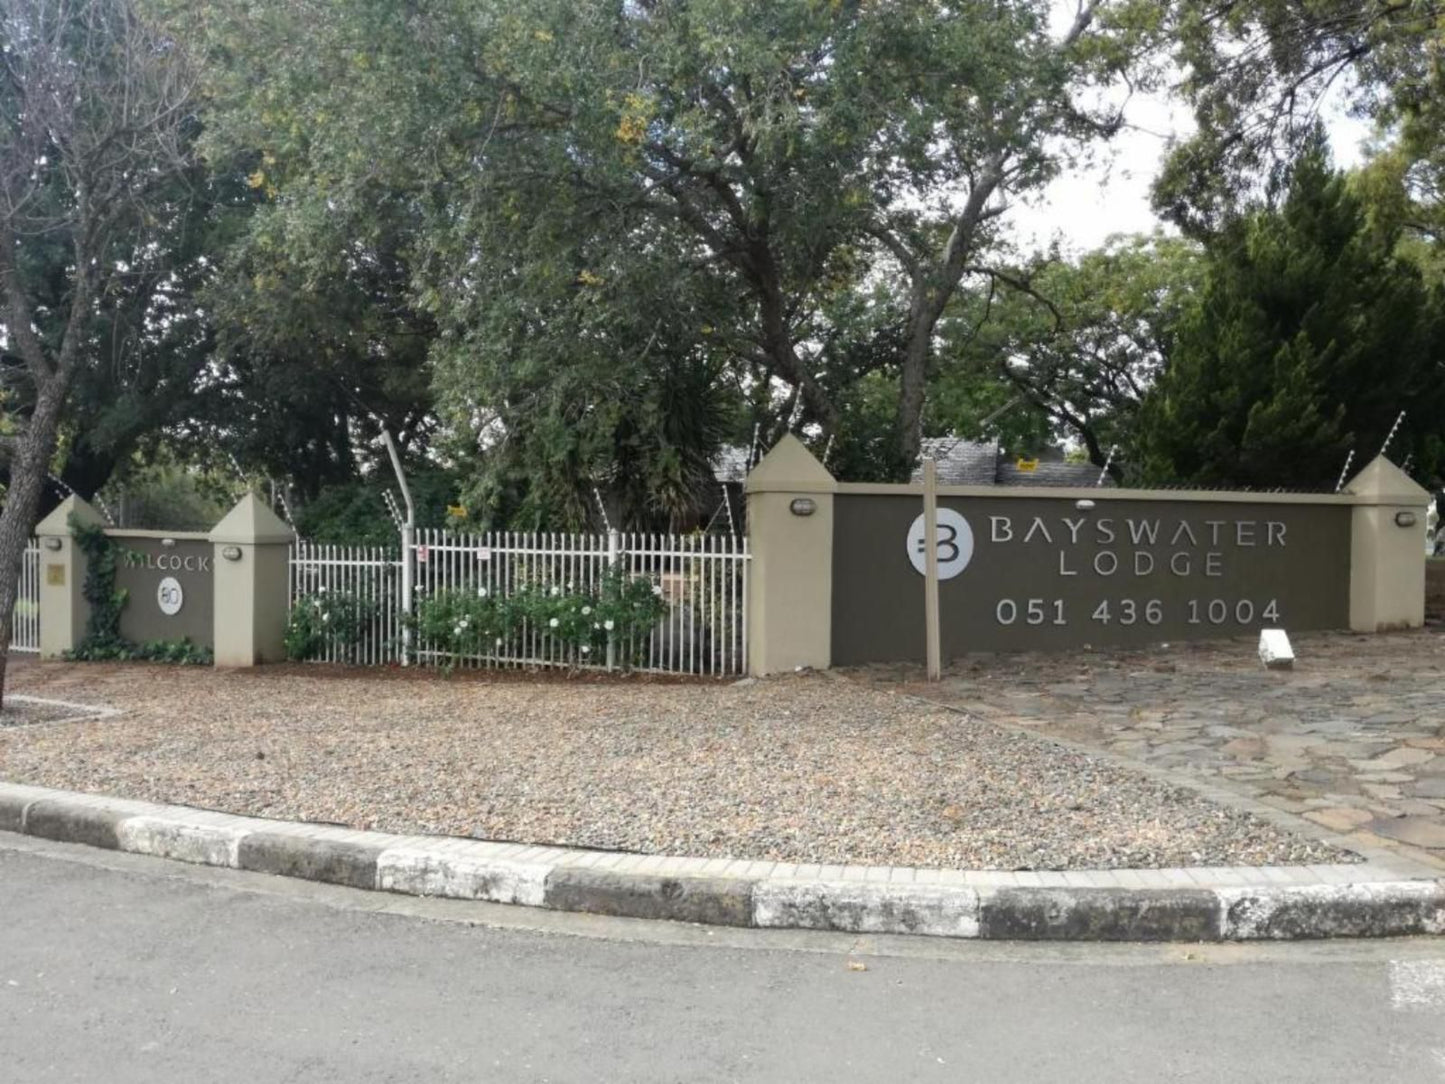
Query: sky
x=1082, y=207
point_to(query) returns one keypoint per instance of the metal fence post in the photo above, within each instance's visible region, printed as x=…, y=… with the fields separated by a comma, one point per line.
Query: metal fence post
x=408, y=545
x=614, y=553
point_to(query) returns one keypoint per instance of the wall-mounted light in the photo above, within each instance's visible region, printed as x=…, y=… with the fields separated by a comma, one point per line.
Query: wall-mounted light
x=231, y=553
x=803, y=506
x=1405, y=519
x=1084, y=505
x=52, y=543
x=168, y=543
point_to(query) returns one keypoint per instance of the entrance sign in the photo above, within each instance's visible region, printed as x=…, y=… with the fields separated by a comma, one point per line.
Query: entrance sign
x=955, y=544
x=1039, y=573
x=177, y=570
x=169, y=596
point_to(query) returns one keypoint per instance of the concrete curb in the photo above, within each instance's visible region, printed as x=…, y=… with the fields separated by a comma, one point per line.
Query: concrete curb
x=1373, y=899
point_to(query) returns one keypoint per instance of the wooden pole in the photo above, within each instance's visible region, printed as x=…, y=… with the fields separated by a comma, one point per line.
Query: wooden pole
x=930, y=563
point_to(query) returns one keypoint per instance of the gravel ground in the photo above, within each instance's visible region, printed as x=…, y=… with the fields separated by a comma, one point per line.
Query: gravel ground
x=19, y=711
x=799, y=769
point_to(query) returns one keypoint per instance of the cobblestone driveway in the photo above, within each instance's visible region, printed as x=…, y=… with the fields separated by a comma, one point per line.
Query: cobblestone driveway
x=1353, y=738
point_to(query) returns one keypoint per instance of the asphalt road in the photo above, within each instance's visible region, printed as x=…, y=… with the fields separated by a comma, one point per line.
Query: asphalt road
x=117, y=968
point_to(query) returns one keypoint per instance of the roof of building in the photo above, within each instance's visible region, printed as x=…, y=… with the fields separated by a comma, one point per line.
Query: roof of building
x=1052, y=473
x=961, y=462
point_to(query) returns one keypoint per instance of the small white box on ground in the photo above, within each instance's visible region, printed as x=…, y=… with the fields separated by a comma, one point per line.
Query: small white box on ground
x=1274, y=650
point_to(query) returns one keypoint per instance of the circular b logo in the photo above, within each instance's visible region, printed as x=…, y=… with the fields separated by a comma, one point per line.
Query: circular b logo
x=169, y=596
x=955, y=544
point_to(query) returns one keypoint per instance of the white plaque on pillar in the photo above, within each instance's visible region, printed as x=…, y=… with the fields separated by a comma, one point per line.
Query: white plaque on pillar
x=169, y=596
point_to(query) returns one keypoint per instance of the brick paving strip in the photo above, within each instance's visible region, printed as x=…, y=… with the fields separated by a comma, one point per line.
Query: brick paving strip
x=1385, y=896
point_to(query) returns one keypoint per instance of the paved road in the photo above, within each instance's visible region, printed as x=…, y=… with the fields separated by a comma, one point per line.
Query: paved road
x=116, y=968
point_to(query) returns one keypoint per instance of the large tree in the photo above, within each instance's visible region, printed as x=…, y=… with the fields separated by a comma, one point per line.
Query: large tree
x=148, y=342
x=1310, y=336
x=711, y=186
x=95, y=122
x=1077, y=342
x=1259, y=72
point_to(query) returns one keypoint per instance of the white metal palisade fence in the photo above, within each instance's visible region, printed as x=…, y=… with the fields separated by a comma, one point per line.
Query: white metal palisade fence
x=370, y=575
x=25, y=625
x=703, y=579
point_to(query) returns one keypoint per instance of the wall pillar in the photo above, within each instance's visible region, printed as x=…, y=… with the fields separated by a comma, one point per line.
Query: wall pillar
x=251, y=567
x=790, y=540
x=63, y=609
x=1387, y=549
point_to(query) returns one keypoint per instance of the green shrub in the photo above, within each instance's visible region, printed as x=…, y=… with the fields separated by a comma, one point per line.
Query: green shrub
x=471, y=623
x=465, y=622
x=331, y=624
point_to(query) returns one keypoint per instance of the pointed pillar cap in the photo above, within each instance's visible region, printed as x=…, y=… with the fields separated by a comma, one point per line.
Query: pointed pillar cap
x=1381, y=482
x=251, y=523
x=790, y=468
x=57, y=524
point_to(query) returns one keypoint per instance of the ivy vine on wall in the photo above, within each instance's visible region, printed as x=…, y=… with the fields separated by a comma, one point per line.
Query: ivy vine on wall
x=103, y=640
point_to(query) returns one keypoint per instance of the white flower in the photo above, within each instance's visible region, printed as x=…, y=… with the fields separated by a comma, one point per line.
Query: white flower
x=597, y=624
x=608, y=625
x=325, y=618
x=586, y=610
x=554, y=622
x=657, y=589
x=499, y=641
x=556, y=591
x=465, y=622
x=586, y=650
x=569, y=585
x=321, y=589
x=481, y=592
x=456, y=630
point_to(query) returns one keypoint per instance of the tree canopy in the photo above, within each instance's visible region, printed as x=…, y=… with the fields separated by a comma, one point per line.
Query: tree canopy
x=1309, y=336
x=611, y=202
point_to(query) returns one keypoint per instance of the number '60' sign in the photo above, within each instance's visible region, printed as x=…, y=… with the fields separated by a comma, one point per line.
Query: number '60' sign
x=955, y=544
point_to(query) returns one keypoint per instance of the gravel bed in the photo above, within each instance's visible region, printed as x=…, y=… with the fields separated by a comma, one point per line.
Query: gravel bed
x=799, y=769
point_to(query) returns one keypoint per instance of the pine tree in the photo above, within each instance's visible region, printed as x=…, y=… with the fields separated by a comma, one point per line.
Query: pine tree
x=1310, y=335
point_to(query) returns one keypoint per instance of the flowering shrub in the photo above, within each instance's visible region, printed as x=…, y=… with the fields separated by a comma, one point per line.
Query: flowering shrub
x=329, y=622
x=623, y=610
x=464, y=622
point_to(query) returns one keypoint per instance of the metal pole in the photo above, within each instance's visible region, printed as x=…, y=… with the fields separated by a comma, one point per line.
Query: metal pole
x=1346, y=472
x=1108, y=462
x=408, y=545
x=930, y=564
x=1391, y=435
x=614, y=551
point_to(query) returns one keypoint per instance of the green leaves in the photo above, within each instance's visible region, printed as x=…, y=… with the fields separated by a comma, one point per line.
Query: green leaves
x=462, y=624
x=333, y=625
x=611, y=218
x=1309, y=338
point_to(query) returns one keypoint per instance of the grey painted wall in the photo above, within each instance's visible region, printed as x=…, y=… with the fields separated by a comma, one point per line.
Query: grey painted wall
x=144, y=564
x=1045, y=575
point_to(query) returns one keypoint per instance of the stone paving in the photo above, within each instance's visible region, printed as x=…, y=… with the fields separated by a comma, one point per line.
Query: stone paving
x=1352, y=739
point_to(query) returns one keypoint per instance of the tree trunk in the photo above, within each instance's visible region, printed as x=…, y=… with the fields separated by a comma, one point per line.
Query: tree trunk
x=912, y=385
x=22, y=501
